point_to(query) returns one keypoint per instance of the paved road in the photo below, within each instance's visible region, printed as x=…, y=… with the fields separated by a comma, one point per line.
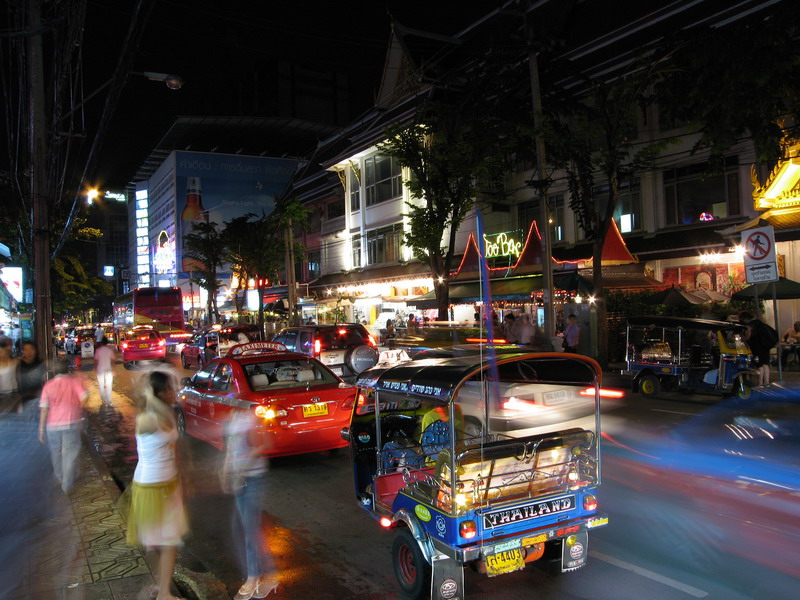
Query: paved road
x=326, y=547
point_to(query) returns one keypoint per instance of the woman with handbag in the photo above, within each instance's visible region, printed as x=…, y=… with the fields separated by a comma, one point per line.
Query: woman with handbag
x=244, y=475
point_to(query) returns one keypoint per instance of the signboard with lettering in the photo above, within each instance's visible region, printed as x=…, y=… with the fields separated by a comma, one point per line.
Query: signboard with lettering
x=760, y=264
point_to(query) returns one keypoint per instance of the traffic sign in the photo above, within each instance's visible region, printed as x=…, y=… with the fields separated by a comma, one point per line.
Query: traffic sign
x=759, y=255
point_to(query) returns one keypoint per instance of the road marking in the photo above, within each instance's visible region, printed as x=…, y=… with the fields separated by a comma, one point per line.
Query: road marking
x=674, y=412
x=683, y=587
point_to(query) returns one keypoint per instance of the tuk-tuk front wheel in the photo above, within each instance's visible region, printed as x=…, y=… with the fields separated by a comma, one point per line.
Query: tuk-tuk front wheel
x=410, y=567
x=649, y=385
x=741, y=388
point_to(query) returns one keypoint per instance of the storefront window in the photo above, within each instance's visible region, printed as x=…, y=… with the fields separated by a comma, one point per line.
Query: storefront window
x=527, y=212
x=383, y=180
x=355, y=190
x=383, y=245
x=691, y=195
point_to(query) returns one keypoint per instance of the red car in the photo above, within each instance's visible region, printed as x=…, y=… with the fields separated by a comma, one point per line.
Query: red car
x=301, y=404
x=142, y=343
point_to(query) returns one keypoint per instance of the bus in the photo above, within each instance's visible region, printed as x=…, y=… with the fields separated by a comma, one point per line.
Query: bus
x=159, y=307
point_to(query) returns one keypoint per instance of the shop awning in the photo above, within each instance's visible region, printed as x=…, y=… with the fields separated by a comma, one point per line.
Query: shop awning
x=516, y=288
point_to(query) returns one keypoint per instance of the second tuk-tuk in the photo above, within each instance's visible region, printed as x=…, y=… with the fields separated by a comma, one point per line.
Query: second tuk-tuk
x=690, y=355
x=487, y=462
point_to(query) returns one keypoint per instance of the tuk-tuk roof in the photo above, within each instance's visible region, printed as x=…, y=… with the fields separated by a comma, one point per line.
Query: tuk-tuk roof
x=438, y=378
x=682, y=322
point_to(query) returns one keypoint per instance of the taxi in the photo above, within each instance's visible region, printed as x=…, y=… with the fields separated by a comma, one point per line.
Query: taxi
x=300, y=404
x=142, y=343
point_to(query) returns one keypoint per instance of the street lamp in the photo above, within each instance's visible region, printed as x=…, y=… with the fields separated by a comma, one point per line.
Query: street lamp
x=173, y=82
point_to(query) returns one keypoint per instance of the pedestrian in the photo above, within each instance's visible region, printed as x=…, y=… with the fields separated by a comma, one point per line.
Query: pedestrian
x=244, y=475
x=60, y=422
x=3, y=337
x=790, y=338
x=31, y=373
x=157, y=518
x=390, y=334
x=527, y=331
x=411, y=324
x=510, y=328
x=99, y=334
x=104, y=370
x=16, y=339
x=761, y=338
x=572, y=335
x=9, y=398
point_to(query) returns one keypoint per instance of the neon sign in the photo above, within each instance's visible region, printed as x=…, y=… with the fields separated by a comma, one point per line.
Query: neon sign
x=503, y=245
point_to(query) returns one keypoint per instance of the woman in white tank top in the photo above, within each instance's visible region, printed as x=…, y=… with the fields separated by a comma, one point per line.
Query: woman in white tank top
x=157, y=517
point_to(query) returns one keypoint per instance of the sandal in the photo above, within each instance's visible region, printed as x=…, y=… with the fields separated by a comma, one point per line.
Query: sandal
x=246, y=591
x=265, y=586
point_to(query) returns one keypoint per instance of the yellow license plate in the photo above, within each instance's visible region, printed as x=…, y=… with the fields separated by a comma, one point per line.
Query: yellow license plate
x=315, y=410
x=504, y=562
x=144, y=345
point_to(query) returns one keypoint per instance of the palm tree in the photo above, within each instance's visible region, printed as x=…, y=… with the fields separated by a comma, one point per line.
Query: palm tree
x=206, y=247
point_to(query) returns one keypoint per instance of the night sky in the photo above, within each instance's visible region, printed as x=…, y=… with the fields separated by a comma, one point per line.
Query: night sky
x=222, y=48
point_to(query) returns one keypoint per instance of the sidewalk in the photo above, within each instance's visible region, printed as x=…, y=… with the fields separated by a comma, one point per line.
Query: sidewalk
x=80, y=551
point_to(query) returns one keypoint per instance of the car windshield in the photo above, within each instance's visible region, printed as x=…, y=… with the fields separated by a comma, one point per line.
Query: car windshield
x=275, y=374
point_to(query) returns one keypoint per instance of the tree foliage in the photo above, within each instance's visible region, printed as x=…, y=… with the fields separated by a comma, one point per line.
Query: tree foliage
x=206, y=248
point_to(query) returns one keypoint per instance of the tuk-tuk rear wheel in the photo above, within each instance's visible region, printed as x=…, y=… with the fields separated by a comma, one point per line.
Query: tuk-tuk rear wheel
x=410, y=567
x=649, y=385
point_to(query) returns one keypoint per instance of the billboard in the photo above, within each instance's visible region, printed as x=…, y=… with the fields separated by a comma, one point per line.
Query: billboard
x=220, y=187
x=12, y=277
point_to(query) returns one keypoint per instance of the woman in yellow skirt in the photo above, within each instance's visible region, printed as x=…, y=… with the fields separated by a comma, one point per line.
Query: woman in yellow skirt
x=157, y=519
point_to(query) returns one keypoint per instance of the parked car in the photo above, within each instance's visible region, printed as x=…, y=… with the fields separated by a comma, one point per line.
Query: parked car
x=346, y=349
x=142, y=343
x=72, y=343
x=300, y=402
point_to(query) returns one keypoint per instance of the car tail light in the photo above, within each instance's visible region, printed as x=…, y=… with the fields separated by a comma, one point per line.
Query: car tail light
x=317, y=346
x=348, y=403
x=604, y=393
x=162, y=342
x=124, y=345
x=371, y=341
x=343, y=332
x=519, y=405
x=589, y=502
x=468, y=529
x=268, y=412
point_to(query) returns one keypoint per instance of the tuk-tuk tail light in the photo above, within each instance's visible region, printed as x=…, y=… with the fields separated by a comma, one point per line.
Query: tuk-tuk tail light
x=590, y=502
x=468, y=529
x=386, y=522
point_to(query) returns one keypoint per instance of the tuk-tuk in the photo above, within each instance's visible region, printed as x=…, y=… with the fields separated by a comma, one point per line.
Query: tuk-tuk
x=492, y=463
x=691, y=355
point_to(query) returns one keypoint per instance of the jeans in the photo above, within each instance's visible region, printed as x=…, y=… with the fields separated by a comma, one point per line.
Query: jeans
x=248, y=504
x=104, y=381
x=65, y=445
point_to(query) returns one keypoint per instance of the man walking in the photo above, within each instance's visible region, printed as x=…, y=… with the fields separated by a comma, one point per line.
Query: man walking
x=572, y=334
x=16, y=339
x=104, y=369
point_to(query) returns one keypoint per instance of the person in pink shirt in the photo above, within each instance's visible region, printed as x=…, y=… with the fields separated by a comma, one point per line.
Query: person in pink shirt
x=104, y=368
x=61, y=411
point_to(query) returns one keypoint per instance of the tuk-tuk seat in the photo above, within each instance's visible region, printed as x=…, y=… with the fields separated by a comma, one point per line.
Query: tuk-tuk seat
x=389, y=484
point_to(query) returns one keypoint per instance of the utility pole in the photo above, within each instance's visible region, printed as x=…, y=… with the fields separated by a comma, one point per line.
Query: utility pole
x=291, y=287
x=541, y=185
x=38, y=183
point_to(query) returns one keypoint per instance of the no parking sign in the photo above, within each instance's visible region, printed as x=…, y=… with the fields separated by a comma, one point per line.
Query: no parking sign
x=87, y=349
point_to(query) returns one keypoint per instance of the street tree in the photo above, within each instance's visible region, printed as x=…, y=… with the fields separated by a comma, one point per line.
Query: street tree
x=596, y=136
x=446, y=149
x=205, y=246
x=737, y=82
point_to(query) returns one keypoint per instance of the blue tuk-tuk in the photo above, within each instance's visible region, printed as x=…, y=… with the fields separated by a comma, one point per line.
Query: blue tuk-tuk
x=690, y=355
x=492, y=463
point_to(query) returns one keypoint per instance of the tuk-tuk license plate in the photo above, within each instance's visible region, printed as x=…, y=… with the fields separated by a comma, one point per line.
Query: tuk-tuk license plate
x=315, y=410
x=504, y=562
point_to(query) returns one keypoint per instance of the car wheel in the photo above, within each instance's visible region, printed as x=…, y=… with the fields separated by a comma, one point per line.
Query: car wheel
x=184, y=364
x=649, y=385
x=180, y=422
x=410, y=567
x=361, y=358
